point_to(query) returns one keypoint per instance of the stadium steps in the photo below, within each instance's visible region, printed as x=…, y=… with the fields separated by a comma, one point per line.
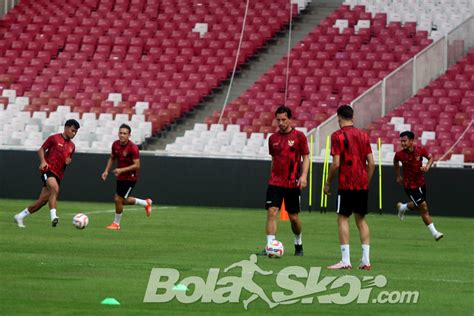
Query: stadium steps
x=316, y=11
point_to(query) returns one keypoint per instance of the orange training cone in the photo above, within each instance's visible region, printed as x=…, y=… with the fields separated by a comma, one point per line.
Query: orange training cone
x=283, y=213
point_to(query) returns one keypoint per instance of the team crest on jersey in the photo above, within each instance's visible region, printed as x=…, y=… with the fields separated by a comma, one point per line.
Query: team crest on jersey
x=60, y=145
x=291, y=142
x=125, y=153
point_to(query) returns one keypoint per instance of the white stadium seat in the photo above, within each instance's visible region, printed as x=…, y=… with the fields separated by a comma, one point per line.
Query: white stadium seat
x=200, y=127
x=217, y=127
x=10, y=94
x=233, y=128
x=402, y=127
x=141, y=106
x=115, y=98
x=341, y=25
x=397, y=120
x=425, y=136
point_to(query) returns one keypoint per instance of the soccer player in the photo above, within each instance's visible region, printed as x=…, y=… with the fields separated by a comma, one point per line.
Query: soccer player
x=352, y=156
x=55, y=155
x=128, y=163
x=288, y=176
x=411, y=157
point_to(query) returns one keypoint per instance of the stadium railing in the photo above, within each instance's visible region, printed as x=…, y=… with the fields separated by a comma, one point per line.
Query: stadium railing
x=7, y=5
x=403, y=82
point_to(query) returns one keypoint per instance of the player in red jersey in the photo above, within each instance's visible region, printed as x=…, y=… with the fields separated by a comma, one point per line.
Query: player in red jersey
x=411, y=157
x=55, y=155
x=128, y=163
x=288, y=176
x=352, y=156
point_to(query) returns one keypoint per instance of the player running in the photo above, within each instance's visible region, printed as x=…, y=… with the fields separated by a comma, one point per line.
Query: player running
x=55, y=155
x=352, y=156
x=128, y=163
x=411, y=157
x=288, y=176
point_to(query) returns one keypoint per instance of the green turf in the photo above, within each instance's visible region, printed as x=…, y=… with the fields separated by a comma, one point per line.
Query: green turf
x=68, y=271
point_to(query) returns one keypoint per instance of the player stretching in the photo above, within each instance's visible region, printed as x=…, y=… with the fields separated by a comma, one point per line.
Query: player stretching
x=55, y=155
x=411, y=157
x=352, y=156
x=288, y=176
x=128, y=163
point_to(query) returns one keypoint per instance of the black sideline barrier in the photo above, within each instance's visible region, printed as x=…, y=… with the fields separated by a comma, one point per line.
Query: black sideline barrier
x=213, y=182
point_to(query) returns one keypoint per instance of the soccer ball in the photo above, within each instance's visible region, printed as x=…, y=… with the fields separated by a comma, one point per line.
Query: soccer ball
x=275, y=249
x=80, y=221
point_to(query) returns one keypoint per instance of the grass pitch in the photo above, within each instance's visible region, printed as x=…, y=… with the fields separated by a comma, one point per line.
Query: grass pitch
x=62, y=270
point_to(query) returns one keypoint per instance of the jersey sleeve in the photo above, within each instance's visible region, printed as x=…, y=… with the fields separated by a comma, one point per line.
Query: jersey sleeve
x=304, y=149
x=335, y=146
x=270, y=151
x=135, y=153
x=396, y=158
x=424, y=152
x=368, y=149
x=47, y=143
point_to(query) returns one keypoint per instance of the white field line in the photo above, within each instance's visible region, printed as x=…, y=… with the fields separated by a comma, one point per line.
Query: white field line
x=388, y=278
x=433, y=280
x=126, y=209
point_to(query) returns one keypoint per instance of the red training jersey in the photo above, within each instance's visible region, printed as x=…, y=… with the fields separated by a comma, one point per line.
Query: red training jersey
x=353, y=146
x=286, y=151
x=125, y=154
x=57, y=149
x=411, y=164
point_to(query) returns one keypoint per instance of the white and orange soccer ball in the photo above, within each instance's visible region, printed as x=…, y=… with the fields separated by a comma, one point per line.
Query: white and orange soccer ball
x=275, y=249
x=80, y=221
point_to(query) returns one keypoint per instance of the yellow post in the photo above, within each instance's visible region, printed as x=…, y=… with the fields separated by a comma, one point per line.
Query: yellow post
x=324, y=198
x=380, y=175
x=310, y=202
x=323, y=179
x=327, y=170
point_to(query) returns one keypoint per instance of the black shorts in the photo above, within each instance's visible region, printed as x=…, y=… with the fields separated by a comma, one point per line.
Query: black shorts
x=349, y=201
x=48, y=174
x=124, y=188
x=275, y=197
x=418, y=195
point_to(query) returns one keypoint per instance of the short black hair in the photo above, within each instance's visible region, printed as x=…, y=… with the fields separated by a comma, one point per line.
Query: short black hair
x=346, y=112
x=283, y=109
x=72, y=122
x=408, y=134
x=127, y=127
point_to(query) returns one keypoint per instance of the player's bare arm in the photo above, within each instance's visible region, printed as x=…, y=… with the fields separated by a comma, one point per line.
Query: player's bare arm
x=134, y=166
x=428, y=165
x=370, y=166
x=396, y=166
x=303, y=180
x=43, y=164
x=332, y=173
x=110, y=161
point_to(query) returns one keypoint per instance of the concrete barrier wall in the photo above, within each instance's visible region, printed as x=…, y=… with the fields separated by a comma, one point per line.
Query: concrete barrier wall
x=218, y=183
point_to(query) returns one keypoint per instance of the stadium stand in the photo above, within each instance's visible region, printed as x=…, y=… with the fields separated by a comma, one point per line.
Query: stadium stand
x=340, y=59
x=438, y=115
x=148, y=62
x=354, y=48
x=145, y=61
